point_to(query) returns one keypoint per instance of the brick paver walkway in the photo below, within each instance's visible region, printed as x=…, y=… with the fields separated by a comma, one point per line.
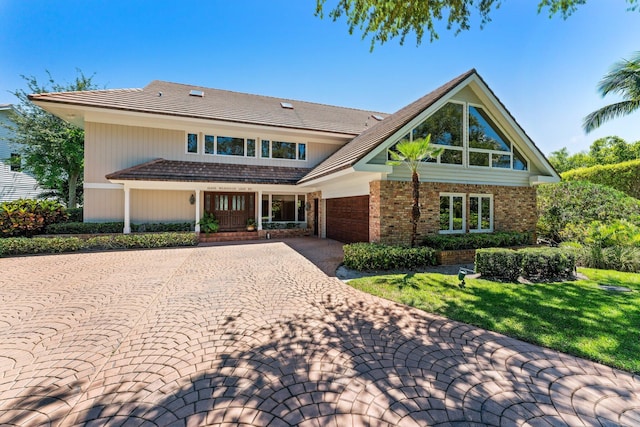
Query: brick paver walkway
x=257, y=335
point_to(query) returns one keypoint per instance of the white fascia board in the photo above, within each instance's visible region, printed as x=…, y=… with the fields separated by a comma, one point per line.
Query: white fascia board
x=205, y=186
x=356, y=184
x=322, y=179
x=541, y=179
x=102, y=186
x=366, y=167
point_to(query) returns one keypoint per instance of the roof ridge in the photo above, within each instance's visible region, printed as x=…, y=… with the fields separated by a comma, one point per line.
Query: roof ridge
x=275, y=98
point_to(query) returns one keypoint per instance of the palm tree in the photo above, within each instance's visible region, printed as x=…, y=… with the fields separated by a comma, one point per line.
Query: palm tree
x=623, y=79
x=412, y=154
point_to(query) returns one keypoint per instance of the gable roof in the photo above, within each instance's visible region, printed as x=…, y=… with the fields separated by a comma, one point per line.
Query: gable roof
x=176, y=170
x=360, y=146
x=174, y=99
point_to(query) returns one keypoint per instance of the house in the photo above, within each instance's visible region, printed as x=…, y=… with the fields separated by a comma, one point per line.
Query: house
x=170, y=152
x=14, y=183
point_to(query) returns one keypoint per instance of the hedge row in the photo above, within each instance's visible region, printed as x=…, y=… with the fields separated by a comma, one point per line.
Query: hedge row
x=38, y=245
x=621, y=176
x=444, y=242
x=115, y=227
x=538, y=264
x=375, y=256
x=27, y=217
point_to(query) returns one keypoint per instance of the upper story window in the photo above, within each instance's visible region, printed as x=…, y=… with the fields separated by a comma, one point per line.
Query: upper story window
x=483, y=145
x=283, y=150
x=192, y=143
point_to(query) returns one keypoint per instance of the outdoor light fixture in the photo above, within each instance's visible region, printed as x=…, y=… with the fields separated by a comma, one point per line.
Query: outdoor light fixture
x=461, y=275
x=192, y=199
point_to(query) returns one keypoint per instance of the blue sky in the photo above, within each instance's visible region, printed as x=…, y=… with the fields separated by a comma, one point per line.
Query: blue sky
x=544, y=70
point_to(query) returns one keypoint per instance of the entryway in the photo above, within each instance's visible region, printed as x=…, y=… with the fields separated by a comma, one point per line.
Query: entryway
x=232, y=210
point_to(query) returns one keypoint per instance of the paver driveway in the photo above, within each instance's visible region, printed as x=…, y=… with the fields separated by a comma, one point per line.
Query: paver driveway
x=257, y=335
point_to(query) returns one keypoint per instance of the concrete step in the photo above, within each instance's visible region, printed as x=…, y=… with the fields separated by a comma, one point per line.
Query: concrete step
x=230, y=236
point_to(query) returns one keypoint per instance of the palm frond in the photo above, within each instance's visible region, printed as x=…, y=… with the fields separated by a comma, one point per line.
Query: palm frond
x=608, y=112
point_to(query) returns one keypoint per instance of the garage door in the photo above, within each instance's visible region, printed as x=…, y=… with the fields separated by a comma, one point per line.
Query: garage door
x=348, y=219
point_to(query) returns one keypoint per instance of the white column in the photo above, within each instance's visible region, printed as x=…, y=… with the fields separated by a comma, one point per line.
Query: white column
x=259, y=202
x=197, y=211
x=127, y=210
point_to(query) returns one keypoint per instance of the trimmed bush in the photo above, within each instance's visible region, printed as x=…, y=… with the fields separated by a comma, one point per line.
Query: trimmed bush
x=621, y=176
x=539, y=264
x=115, y=227
x=75, y=215
x=448, y=242
x=498, y=263
x=26, y=217
x=38, y=245
x=547, y=264
x=374, y=256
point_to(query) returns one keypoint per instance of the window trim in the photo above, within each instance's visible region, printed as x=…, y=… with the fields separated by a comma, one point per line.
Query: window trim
x=463, y=230
x=297, y=197
x=481, y=196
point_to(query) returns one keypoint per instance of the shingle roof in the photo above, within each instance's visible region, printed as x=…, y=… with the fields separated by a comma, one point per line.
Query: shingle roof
x=173, y=99
x=360, y=146
x=174, y=170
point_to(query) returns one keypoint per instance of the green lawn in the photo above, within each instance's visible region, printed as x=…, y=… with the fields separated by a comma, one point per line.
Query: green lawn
x=573, y=317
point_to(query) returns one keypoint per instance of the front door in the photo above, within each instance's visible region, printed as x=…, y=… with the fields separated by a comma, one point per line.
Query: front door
x=232, y=210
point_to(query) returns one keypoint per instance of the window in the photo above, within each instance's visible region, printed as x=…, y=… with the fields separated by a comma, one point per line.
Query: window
x=452, y=213
x=192, y=143
x=480, y=213
x=283, y=208
x=228, y=146
x=15, y=162
x=251, y=147
x=283, y=150
x=209, y=144
x=484, y=145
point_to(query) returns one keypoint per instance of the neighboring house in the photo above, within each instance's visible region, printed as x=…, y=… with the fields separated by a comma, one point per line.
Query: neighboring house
x=170, y=152
x=14, y=184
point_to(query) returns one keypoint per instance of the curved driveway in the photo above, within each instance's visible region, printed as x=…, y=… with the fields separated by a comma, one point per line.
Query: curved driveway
x=257, y=335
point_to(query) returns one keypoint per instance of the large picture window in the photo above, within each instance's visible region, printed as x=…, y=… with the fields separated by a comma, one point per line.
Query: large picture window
x=283, y=208
x=483, y=145
x=452, y=213
x=480, y=213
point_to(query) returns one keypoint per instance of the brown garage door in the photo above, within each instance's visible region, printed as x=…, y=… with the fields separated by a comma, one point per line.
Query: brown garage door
x=348, y=219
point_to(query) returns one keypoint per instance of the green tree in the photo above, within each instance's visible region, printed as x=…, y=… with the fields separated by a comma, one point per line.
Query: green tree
x=624, y=80
x=613, y=149
x=384, y=20
x=562, y=161
x=51, y=149
x=412, y=154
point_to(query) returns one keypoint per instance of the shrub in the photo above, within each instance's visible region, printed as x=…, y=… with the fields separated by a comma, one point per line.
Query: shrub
x=36, y=245
x=75, y=215
x=621, y=176
x=26, y=217
x=446, y=242
x=374, y=256
x=547, y=264
x=541, y=264
x=498, y=263
x=566, y=207
x=209, y=223
x=115, y=227
x=85, y=228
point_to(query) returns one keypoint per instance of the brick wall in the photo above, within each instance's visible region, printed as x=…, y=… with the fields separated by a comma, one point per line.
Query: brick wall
x=311, y=212
x=514, y=208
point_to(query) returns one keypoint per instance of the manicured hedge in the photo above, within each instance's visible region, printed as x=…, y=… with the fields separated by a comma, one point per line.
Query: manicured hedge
x=621, y=176
x=36, y=245
x=374, y=256
x=115, y=227
x=538, y=264
x=448, y=242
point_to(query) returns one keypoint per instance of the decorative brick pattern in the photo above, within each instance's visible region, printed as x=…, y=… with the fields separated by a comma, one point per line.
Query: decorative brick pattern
x=200, y=336
x=514, y=208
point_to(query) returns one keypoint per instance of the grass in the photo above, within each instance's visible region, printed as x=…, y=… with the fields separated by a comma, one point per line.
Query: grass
x=574, y=317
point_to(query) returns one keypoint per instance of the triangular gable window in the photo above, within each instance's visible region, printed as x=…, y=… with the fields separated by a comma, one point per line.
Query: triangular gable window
x=485, y=146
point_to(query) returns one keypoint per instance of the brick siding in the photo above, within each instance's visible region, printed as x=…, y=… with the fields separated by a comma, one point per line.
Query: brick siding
x=514, y=208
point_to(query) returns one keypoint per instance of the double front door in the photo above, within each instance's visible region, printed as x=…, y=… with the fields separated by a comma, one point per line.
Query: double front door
x=232, y=210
